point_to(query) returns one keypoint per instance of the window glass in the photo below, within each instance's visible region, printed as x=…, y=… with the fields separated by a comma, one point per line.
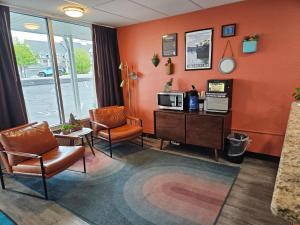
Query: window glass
x=32, y=48
x=74, y=50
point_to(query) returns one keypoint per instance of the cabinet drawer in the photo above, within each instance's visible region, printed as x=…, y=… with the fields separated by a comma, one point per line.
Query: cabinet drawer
x=206, y=131
x=170, y=126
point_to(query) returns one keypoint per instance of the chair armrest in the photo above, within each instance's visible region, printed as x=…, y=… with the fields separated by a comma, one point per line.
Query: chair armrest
x=65, y=136
x=100, y=124
x=135, y=119
x=29, y=155
x=23, y=154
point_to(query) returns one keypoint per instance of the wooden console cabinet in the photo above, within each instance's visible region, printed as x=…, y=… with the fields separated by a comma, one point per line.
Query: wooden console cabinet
x=195, y=128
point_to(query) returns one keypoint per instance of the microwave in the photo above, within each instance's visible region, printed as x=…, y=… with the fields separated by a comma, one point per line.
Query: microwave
x=174, y=100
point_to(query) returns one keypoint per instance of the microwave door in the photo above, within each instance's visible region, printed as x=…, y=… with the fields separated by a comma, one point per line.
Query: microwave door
x=173, y=100
x=179, y=101
x=164, y=100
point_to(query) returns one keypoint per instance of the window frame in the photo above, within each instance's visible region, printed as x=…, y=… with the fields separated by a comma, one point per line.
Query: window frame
x=54, y=61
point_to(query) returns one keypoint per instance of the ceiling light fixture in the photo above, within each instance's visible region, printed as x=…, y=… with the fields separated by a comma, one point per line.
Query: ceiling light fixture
x=73, y=11
x=31, y=26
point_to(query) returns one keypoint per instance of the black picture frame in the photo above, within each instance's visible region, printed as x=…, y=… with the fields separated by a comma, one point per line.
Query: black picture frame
x=192, y=52
x=169, y=45
x=228, y=30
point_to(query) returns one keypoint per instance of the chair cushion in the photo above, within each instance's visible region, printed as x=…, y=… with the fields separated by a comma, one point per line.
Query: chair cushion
x=112, y=116
x=124, y=132
x=35, y=139
x=54, y=160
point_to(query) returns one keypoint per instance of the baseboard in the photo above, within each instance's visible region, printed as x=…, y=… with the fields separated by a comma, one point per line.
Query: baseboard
x=256, y=155
x=149, y=135
x=262, y=156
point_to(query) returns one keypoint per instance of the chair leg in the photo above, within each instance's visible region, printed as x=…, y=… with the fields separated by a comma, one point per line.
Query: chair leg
x=84, y=165
x=44, y=179
x=45, y=187
x=2, y=178
x=110, y=149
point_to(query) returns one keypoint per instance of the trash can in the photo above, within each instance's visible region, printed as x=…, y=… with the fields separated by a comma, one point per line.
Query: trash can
x=236, y=147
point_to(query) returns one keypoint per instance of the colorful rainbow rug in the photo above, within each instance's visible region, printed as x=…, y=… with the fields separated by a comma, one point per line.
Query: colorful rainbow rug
x=143, y=187
x=5, y=219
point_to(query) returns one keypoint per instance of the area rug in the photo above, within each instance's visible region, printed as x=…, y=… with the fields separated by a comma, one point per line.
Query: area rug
x=142, y=187
x=5, y=219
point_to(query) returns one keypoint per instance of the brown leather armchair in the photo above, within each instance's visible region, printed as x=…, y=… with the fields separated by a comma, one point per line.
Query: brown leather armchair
x=32, y=150
x=113, y=125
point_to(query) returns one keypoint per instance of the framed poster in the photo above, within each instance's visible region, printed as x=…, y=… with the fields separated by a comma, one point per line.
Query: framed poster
x=228, y=30
x=198, y=49
x=169, y=45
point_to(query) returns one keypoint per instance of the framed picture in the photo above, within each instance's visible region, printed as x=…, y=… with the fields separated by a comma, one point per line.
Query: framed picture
x=198, y=49
x=228, y=30
x=169, y=45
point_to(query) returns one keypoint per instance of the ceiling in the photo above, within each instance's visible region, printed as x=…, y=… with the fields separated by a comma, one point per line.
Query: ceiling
x=59, y=28
x=115, y=13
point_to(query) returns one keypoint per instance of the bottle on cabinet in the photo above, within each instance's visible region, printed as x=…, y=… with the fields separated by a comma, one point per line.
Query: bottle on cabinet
x=193, y=99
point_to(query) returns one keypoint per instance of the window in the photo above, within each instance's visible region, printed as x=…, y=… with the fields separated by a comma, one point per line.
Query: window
x=74, y=50
x=34, y=61
x=41, y=87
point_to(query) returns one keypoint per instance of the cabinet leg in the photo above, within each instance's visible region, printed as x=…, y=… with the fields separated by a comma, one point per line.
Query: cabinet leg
x=216, y=155
x=161, y=143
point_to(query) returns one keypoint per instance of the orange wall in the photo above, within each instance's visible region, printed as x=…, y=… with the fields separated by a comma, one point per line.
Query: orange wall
x=263, y=82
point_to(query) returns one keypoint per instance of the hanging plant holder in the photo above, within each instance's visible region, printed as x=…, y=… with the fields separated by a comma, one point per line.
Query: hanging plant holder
x=250, y=44
x=169, y=67
x=155, y=60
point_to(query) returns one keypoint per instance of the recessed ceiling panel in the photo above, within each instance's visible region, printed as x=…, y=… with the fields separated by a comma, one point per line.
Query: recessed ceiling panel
x=113, y=12
x=130, y=10
x=90, y=3
x=170, y=7
x=103, y=18
x=213, y=3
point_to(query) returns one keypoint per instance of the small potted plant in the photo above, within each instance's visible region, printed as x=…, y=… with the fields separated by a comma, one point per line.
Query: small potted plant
x=169, y=67
x=296, y=94
x=250, y=43
x=168, y=85
x=66, y=128
x=155, y=60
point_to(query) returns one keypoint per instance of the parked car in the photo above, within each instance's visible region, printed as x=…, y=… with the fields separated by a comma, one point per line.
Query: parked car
x=48, y=72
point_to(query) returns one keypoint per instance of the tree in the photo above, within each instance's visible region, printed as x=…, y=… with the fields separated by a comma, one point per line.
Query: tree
x=25, y=57
x=82, y=61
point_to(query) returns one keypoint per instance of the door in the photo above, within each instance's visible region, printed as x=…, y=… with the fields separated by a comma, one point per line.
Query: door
x=170, y=126
x=204, y=130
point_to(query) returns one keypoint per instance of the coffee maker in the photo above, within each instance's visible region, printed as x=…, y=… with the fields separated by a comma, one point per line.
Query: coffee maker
x=218, y=96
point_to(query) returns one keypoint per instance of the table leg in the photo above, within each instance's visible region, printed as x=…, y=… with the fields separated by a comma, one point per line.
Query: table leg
x=161, y=143
x=92, y=138
x=82, y=141
x=216, y=155
x=89, y=144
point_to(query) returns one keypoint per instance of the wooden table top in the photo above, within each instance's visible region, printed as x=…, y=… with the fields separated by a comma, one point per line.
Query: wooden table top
x=79, y=133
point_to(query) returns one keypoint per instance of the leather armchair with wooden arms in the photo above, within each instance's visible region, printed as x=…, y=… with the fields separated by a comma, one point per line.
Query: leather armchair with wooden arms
x=113, y=125
x=32, y=150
